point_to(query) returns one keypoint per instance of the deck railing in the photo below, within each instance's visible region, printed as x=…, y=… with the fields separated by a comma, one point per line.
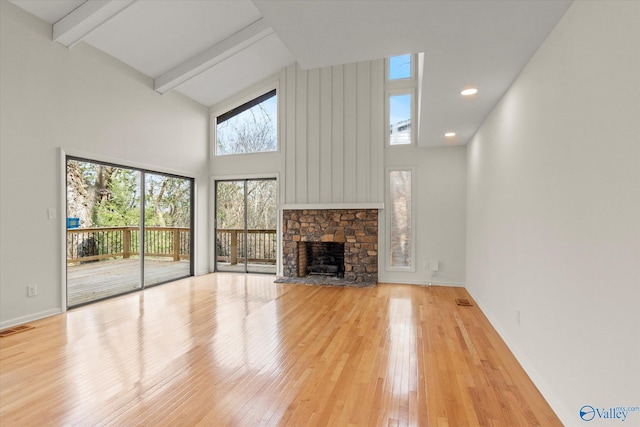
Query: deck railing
x=261, y=246
x=98, y=243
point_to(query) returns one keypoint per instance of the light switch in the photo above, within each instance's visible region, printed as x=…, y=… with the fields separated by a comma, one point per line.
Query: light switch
x=51, y=213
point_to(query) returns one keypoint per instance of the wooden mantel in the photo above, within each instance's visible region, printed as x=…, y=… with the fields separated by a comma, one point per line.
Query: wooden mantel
x=321, y=206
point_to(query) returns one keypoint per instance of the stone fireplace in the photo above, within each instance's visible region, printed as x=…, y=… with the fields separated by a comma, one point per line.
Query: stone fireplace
x=354, y=232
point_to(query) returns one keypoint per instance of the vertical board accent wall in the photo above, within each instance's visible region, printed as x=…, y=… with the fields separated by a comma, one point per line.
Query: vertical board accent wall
x=334, y=136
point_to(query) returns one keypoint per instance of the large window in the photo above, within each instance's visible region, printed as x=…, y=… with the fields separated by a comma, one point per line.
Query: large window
x=127, y=229
x=249, y=128
x=400, y=220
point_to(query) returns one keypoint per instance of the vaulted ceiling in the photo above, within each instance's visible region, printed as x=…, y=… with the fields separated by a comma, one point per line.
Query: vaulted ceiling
x=210, y=50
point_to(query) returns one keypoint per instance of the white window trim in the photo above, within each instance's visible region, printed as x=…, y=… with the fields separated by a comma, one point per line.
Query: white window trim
x=212, y=218
x=402, y=87
x=388, y=266
x=404, y=82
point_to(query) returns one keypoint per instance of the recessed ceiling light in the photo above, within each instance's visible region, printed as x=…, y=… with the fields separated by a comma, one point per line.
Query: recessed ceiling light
x=469, y=92
x=450, y=134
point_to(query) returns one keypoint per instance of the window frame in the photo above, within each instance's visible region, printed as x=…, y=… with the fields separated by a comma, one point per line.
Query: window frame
x=397, y=92
x=412, y=239
x=403, y=86
x=387, y=70
x=230, y=106
x=67, y=155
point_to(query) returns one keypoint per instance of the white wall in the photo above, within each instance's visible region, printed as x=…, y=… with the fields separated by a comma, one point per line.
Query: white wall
x=332, y=151
x=554, y=213
x=84, y=101
x=330, y=147
x=330, y=134
x=439, y=221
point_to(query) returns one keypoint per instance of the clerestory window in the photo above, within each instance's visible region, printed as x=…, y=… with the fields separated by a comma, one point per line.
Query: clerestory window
x=401, y=83
x=249, y=128
x=400, y=118
x=400, y=67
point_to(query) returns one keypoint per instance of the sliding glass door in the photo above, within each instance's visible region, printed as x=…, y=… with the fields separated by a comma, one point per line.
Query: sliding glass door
x=112, y=213
x=230, y=225
x=246, y=226
x=103, y=231
x=167, y=228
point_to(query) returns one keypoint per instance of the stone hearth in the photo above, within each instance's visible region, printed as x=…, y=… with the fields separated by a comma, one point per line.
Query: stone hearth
x=356, y=228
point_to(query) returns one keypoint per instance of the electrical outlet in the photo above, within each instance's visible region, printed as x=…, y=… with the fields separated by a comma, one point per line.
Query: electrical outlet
x=32, y=290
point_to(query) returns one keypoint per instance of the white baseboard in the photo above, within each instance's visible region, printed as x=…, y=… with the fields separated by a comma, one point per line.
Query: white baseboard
x=542, y=385
x=29, y=318
x=453, y=284
x=422, y=283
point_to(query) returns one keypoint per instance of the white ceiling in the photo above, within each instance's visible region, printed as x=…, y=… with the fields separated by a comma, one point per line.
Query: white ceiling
x=212, y=49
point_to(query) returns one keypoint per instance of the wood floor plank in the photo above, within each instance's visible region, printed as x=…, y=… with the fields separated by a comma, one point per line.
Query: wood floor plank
x=239, y=350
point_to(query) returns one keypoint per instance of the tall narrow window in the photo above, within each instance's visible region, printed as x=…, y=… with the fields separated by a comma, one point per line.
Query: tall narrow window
x=400, y=227
x=401, y=84
x=249, y=128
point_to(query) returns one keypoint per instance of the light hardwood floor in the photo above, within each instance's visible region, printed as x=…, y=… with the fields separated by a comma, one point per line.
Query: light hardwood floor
x=239, y=350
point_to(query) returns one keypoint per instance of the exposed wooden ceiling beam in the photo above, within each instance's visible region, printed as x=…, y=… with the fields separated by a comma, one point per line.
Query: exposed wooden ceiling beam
x=84, y=19
x=213, y=55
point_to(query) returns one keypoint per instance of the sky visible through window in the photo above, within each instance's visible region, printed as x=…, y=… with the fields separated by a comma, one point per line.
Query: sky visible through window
x=400, y=119
x=271, y=105
x=400, y=104
x=399, y=108
x=400, y=67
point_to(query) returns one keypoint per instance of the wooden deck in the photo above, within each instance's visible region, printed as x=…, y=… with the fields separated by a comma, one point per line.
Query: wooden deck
x=238, y=350
x=97, y=280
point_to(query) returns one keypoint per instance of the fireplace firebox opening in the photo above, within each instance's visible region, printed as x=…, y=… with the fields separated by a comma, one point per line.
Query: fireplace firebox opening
x=321, y=258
